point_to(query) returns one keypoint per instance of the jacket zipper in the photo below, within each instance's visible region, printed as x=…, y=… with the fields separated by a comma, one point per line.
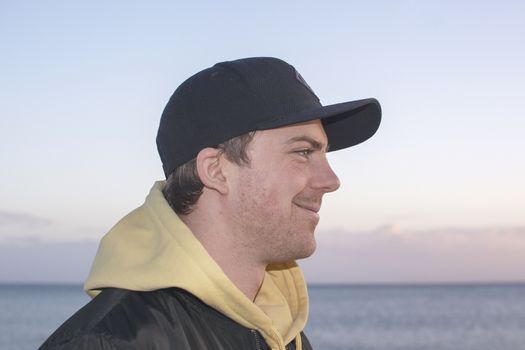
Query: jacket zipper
x=257, y=340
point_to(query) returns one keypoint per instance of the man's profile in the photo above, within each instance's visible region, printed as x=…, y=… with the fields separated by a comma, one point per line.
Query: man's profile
x=208, y=261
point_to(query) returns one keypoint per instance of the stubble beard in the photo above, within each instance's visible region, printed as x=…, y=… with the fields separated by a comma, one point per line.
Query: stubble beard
x=289, y=238
x=271, y=231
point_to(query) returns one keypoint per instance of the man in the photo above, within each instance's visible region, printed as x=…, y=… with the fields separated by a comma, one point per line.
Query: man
x=208, y=262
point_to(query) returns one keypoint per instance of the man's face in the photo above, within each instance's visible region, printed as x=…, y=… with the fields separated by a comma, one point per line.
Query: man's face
x=273, y=201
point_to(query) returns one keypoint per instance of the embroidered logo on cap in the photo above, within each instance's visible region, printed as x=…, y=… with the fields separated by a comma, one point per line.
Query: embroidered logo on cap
x=305, y=84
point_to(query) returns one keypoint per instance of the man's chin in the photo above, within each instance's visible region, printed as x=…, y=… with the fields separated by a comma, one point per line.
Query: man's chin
x=307, y=251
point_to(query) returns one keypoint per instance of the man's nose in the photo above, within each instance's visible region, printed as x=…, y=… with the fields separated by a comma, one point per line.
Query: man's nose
x=325, y=178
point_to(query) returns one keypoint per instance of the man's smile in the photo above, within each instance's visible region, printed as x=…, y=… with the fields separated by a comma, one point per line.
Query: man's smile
x=310, y=208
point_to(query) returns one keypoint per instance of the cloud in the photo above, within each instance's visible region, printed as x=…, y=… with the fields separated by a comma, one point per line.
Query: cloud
x=24, y=228
x=393, y=254
x=45, y=262
x=12, y=220
x=17, y=226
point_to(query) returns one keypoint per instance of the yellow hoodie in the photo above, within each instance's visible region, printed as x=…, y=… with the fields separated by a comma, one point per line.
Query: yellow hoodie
x=151, y=248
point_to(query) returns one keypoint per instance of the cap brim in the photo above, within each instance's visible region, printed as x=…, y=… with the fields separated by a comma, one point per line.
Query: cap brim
x=346, y=124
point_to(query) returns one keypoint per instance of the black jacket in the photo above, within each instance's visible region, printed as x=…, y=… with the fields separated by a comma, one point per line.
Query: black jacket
x=163, y=319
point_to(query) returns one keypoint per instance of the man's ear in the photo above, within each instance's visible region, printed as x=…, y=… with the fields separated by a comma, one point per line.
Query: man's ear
x=210, y=163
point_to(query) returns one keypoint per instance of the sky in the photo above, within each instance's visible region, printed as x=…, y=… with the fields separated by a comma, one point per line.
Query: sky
x=437, y=193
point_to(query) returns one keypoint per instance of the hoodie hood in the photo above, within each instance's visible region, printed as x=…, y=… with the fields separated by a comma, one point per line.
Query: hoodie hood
x=151, y=248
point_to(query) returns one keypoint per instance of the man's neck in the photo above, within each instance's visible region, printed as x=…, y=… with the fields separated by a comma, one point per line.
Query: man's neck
x=235, y=260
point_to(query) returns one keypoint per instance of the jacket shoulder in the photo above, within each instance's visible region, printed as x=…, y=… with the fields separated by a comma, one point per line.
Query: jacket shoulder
x=114, y=319
x=160, y=319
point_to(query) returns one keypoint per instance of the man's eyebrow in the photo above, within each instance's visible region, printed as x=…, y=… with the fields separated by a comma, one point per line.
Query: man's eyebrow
x=316, y=145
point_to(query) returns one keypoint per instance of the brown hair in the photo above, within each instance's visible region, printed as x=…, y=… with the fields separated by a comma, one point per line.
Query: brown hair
x=183, y=186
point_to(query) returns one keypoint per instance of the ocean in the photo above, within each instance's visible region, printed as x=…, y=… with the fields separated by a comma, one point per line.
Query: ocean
x=357, y=317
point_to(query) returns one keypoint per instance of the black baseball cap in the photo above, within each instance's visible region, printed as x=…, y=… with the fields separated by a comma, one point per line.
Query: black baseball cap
x=235, y=97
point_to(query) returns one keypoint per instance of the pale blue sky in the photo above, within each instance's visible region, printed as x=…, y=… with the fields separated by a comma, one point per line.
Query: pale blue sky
x=84, y=84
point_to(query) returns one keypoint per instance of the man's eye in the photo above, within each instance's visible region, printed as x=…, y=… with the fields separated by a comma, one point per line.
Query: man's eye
x=304, y=152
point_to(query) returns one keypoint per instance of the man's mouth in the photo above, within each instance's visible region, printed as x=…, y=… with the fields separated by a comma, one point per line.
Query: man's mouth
x=310, y=208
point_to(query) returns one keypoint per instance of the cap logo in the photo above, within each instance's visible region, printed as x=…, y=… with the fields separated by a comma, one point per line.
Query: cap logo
x=302, y=81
